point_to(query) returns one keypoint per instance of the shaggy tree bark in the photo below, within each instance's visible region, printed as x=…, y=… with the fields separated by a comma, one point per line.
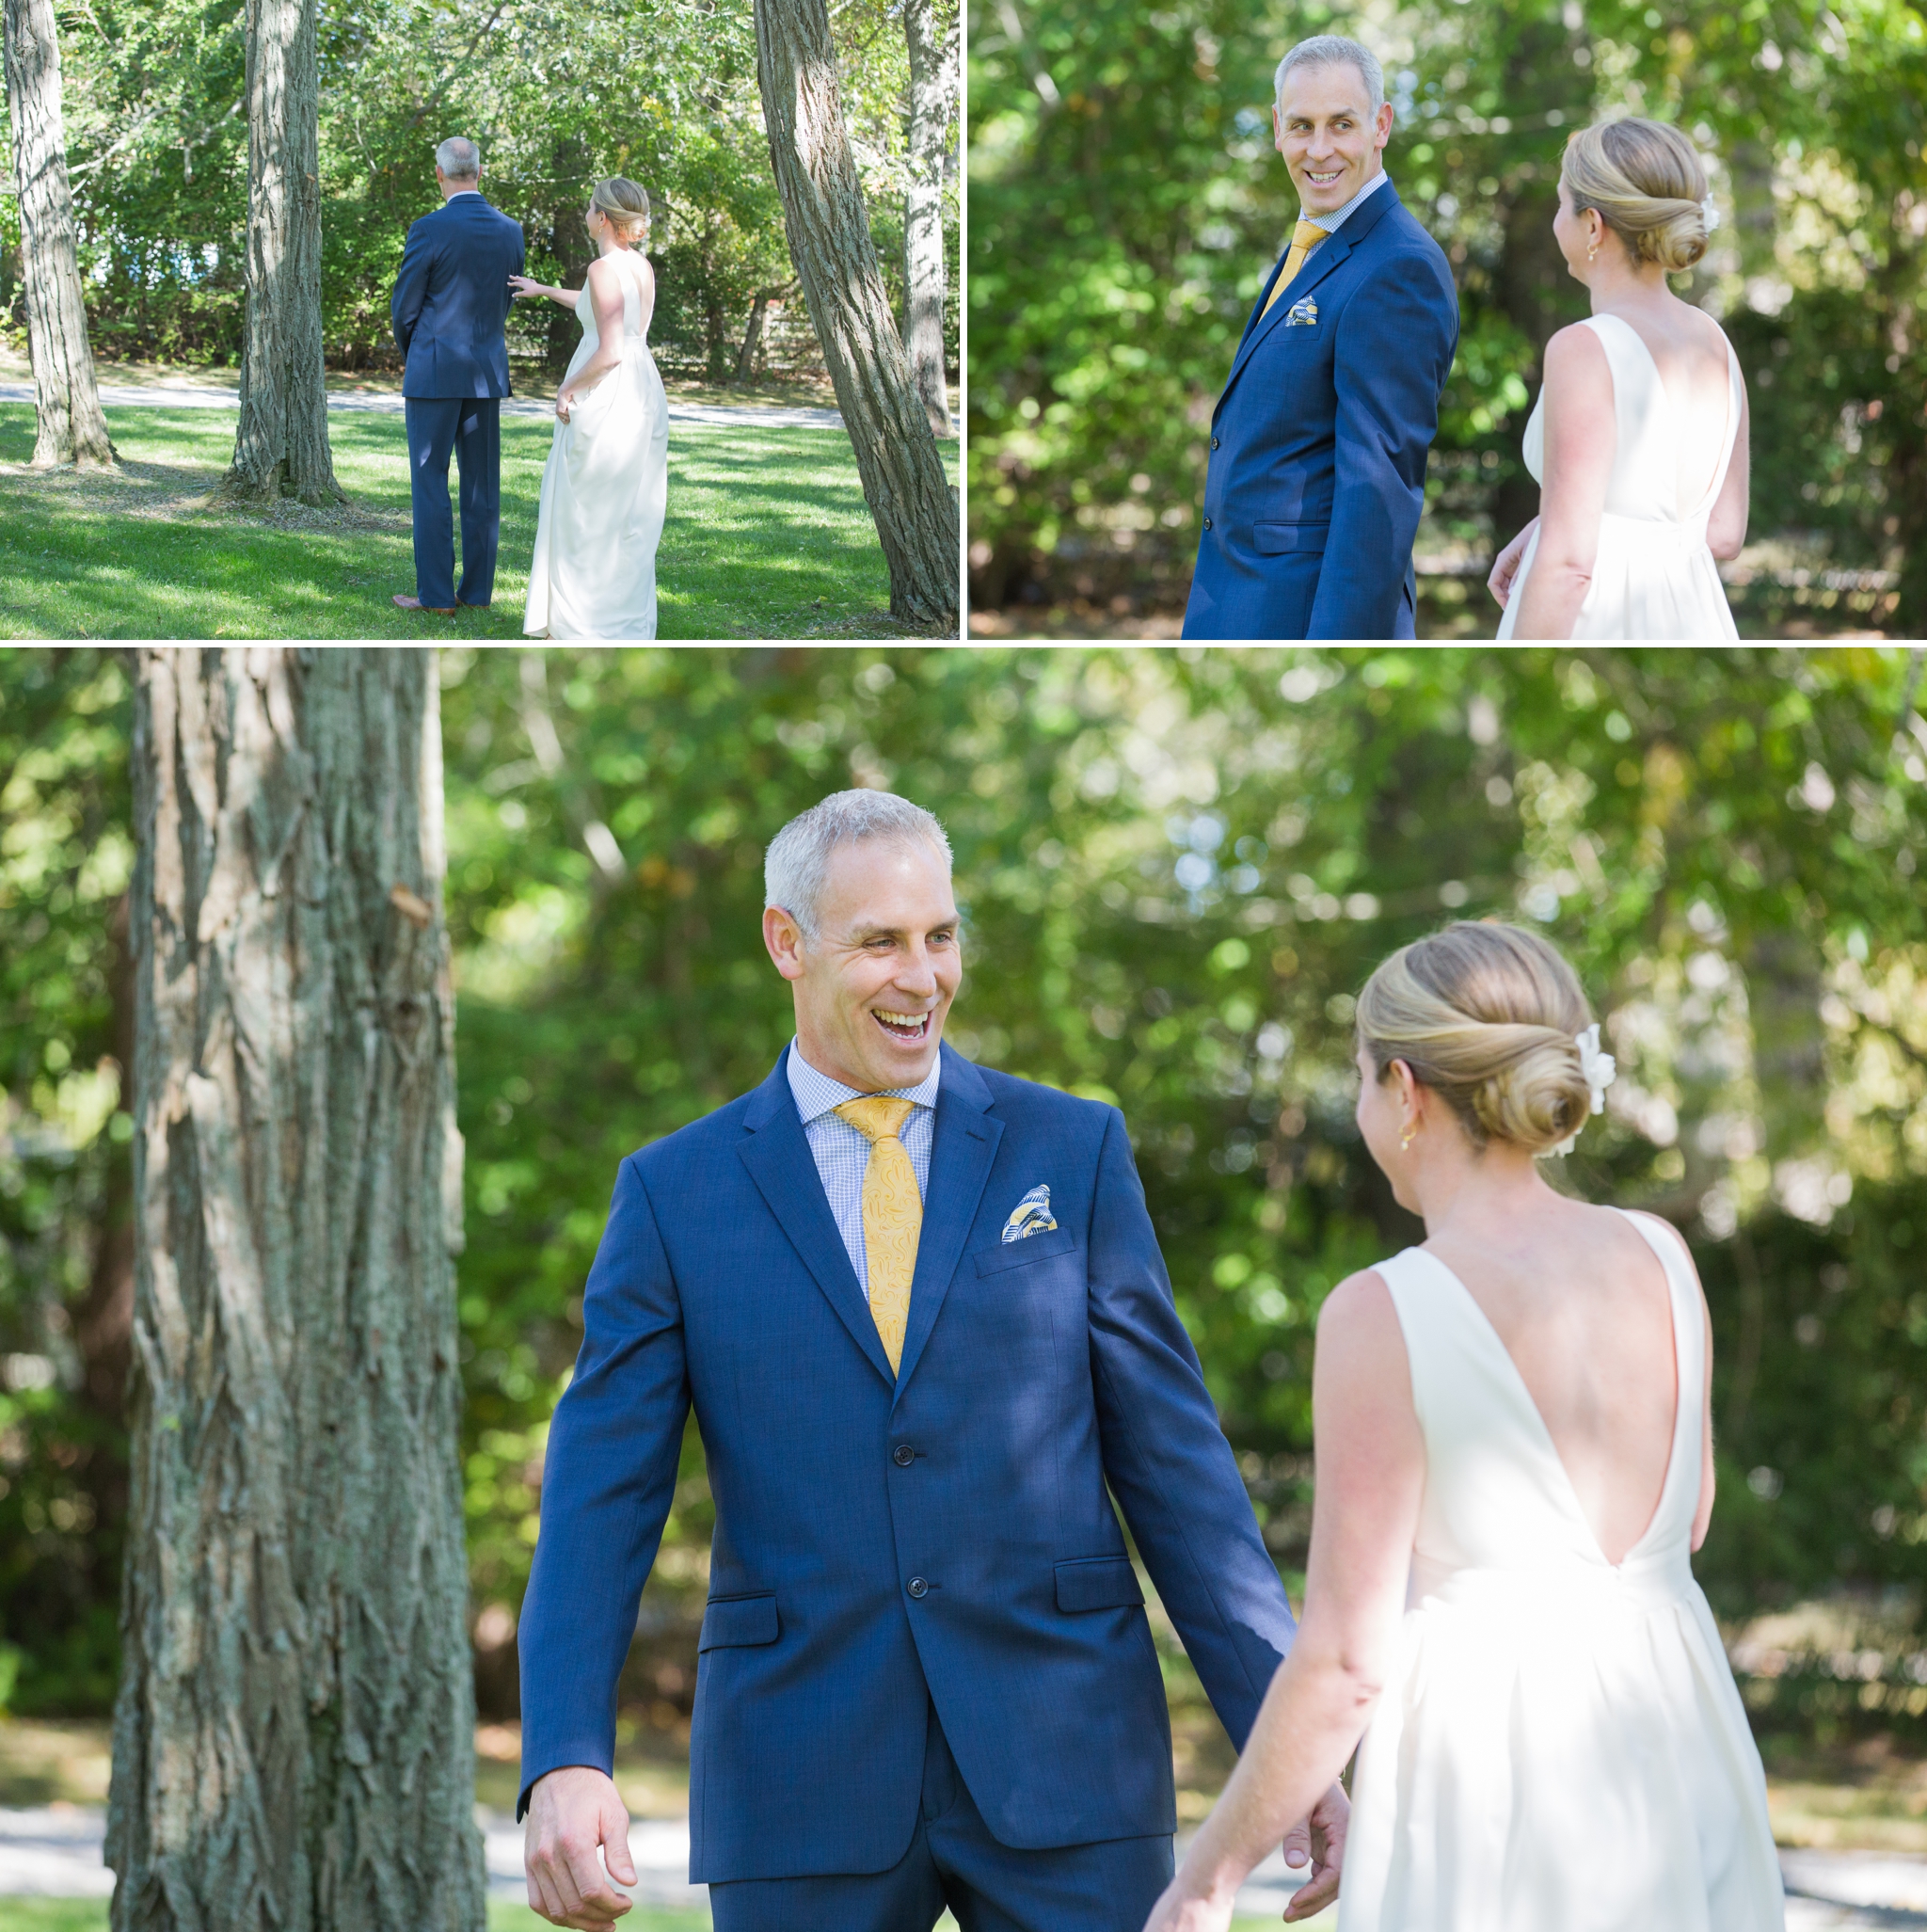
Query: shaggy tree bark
x=293, y=1739
x=67, y=401
x=281, y=444
x=828, y=228
x=933, y=47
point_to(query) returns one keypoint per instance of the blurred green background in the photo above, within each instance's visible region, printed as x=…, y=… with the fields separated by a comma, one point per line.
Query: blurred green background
x=1126, y=203
x=1176, y=867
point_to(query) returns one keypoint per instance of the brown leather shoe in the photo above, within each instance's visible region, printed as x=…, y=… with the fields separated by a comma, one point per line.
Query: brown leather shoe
x=415, y=604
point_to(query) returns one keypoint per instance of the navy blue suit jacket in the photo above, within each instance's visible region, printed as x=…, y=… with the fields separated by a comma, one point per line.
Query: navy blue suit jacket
x=945, y=1535
x=1319, y=442
x=451, y=299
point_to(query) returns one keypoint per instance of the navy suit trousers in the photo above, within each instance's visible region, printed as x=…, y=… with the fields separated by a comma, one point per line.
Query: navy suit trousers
x=953, y=1861
x=470, y=428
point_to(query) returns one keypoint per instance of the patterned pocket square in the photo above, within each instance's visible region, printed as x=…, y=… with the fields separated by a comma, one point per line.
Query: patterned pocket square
x=1031, y=1216
x=1302, y=314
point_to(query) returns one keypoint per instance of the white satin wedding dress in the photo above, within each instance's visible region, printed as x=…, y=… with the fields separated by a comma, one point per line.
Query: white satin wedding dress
x=1654, y=576
x=604, y=488
x=1560, y=1746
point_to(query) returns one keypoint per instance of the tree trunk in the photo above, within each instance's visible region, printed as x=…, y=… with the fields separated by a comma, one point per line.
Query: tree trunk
x=1785, y=984
x=752, y=334
x=67, y=403
x=293, y=1739
x=281, y=444
x=896, y=457
x=932, y=96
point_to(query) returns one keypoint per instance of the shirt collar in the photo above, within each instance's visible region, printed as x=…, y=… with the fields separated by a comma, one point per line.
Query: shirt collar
x=1331, y=223
x=816, y=1093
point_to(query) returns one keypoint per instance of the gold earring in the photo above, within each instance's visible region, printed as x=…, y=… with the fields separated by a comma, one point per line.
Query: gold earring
x=1592, y=255
x=1407, y=1137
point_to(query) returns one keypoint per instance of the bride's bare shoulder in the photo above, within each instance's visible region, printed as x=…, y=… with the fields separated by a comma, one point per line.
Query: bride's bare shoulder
x=1575, y=351
x=1357, y=1309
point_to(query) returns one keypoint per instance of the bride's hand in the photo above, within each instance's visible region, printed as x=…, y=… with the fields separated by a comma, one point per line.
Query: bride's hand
x=564, y=401
x=526, y=285
x=1179, y=1911
x=1319, y=1841
x=1505, y=565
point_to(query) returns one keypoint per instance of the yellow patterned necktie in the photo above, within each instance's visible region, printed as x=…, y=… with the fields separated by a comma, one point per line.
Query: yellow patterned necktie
x=1302, y=236
x=892, y=1214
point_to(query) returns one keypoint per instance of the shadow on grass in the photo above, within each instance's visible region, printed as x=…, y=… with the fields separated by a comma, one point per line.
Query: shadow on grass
x=768, y=535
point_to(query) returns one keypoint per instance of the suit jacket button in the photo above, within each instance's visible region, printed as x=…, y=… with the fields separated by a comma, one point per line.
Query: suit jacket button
x=1214, y=443
x=918, y=1587
x=1207, y=523
x=903, y=1455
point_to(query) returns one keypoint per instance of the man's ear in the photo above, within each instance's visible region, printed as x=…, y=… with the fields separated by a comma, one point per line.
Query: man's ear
x=784, y=939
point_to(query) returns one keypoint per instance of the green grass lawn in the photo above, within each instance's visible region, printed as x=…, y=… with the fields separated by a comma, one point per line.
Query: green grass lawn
x=505, y=1915
x=768, y=535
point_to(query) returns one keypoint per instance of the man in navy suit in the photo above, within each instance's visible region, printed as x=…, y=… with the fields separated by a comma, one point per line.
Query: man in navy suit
x=1318, y=443
x=450, y=300
x=920, y=1315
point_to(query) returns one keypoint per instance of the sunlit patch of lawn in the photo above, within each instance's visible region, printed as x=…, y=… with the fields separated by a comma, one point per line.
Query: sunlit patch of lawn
x=768, y=535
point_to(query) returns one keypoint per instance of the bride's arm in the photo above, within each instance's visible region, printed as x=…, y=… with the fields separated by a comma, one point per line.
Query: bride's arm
x=1725, y=528
x=1371, y=1471
x=1582, y=438
x=526, y=285
x=605, y=292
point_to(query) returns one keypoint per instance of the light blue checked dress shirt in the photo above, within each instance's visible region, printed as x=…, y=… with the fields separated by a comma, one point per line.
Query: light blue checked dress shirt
x=842, y=1155
x=1331, y=223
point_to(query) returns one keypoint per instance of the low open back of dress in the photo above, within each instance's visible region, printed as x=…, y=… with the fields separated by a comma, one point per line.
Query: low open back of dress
x=1655, y=575
x=1560, y=1742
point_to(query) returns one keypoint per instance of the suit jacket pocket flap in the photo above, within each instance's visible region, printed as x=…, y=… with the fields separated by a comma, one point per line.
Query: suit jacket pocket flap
x=1031, y=1248
x=731, y=1621
x=1098, y=1583
x=1275, y=539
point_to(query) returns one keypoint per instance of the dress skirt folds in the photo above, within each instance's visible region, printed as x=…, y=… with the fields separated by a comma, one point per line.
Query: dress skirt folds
x=604, y=491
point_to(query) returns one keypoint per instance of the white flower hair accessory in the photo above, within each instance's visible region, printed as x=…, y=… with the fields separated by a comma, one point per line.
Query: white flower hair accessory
x=1711, y=215
x=1600, y=1069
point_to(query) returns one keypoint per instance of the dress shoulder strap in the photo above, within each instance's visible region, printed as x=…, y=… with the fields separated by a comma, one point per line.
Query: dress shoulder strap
x=1689, y=1330
x=1448, y=1357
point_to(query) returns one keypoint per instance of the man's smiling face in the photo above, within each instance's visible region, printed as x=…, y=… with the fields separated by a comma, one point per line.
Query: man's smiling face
x=1329, y=135
x=873, y=987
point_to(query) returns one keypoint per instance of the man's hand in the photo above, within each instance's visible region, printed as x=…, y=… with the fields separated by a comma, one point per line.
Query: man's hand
x=571, y=1813
x=1319, y=1841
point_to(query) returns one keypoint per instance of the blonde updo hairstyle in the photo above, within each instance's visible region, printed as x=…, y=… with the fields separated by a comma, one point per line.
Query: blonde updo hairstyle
x=1648, y=185
x=1486, y=1015
x=626, y=206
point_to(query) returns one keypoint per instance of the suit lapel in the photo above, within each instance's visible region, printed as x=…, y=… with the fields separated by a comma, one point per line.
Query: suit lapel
x=777, y=1152
x=1332, y=253
x=964, y=1146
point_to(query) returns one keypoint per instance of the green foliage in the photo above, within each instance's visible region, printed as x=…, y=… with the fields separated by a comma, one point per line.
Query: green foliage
x=1126, y=205
x=559, y=94
x=1175, y=871
x=66, y=855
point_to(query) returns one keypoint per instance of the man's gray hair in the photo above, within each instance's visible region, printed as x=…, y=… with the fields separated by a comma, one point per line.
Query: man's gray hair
x=798, y=856
x=1334, y=50
x=459, y=158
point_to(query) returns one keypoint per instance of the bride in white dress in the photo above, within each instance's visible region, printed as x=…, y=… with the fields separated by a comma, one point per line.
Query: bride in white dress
x=1638, y=438
x=1514, y=1463
x=606, y=484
